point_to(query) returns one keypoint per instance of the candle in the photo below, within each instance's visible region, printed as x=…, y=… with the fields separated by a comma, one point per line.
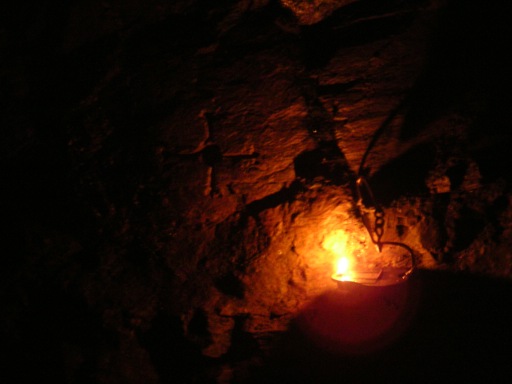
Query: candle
x=344, y=272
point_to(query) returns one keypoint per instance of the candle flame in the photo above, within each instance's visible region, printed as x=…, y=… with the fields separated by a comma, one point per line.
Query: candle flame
x=343, y=269
x=337, y=243
x=342, y=265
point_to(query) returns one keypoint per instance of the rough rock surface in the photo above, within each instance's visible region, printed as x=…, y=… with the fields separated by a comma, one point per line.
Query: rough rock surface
x=311, y=12
x=173, y=170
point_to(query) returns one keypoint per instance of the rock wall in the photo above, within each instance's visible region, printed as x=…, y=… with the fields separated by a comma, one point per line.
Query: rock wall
x=173, y=170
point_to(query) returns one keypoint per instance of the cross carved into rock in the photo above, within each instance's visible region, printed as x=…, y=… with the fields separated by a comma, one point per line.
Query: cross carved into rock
x=210, y=153
x=212, y=156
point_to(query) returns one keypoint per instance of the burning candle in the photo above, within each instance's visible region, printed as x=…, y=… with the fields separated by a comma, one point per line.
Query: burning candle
x=354, y=263
x=344, y=273
x=346, y=267
x=342, y=269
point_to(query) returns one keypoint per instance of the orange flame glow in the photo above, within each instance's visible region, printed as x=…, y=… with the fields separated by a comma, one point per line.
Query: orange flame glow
x=343, y=269
x=342, y=265
x=337, y=243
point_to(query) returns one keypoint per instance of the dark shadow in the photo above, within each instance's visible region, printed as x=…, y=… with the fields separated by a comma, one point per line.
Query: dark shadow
x=52, y=336
x=404, y=175
x=459, y=330
x=243, y=344
x=456, y=174
x=198, y=329
x=175, y=359
x=326, y=162
x=354, y=25
x=230, y=285
x=284, y=195
x=467, y=71
x=468, y=225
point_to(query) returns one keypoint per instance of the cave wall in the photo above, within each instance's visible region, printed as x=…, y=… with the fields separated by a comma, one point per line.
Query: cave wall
x=172, y=169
